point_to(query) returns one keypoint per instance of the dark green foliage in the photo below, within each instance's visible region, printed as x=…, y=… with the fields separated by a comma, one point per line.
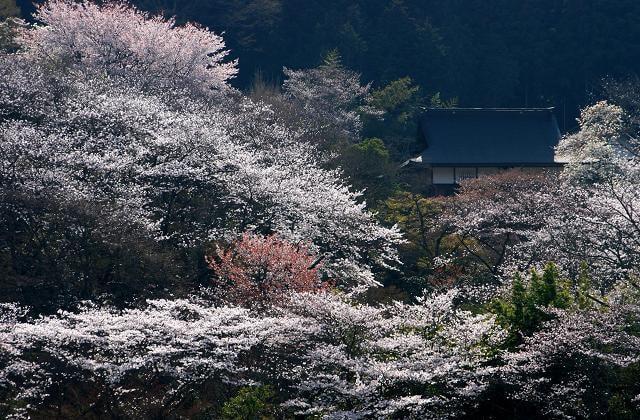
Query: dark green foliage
x=332, y=59
x=418, y=217
x=522, y=312
x=436, y=101
x=583, y=292
x=8, y=9
x=368, y=166
x=399, y=97
x=488, y=53
x=401, y=103
x=251, y=403
x=619, y=408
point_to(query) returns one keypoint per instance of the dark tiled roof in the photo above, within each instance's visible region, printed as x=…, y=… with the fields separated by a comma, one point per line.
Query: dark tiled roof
x=478, y=136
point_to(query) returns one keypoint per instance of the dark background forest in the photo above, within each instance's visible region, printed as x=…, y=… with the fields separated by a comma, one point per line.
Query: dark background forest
x=486, y=53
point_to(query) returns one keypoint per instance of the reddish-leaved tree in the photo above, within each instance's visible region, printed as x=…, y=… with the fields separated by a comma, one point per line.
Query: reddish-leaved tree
x=261, y=270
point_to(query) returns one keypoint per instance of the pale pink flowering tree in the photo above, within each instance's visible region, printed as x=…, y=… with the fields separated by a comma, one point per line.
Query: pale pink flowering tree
x=494, y=219
x=600, y=219
x=330, y=99
x=120, y=41
x=564, y=369
x=330, y=356
x=428, y=360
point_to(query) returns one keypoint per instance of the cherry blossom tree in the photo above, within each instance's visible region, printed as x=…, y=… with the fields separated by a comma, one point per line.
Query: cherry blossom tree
x=575, y=367
x=587, y=213
x=189, y=169
x=600, y=221
x=388, y=361
x=120, y=41
x=128, y=118
x=332, y=100
x=133, y=362
x=330, y=355
x=494, y=226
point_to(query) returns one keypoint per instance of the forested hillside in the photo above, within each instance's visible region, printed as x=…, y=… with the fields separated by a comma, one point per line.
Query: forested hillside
x=487, y=53
x=180, y=239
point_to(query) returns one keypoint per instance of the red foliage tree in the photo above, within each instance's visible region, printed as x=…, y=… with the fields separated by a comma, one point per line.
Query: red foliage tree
x=260, y=270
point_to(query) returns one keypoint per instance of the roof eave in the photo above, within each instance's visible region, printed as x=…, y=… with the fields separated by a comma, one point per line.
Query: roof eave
x=494, y=164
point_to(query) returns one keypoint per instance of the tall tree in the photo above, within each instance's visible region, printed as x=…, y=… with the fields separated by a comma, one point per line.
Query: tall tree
x=8, y=9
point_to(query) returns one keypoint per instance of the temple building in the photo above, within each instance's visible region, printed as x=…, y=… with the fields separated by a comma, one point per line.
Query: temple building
x=464, y=143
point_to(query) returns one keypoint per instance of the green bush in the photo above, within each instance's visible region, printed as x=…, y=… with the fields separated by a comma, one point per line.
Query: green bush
x=251, y=403
x=522, y=311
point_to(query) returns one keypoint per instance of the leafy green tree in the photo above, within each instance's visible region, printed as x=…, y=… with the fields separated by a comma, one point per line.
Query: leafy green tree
x=437, y=101
x=518, y=298
x=417, y=217
x=368, y=166
x=549, y=278
x=427, y=238
x=251, y=403
x=523, y=310
x=332, y=59
x=400, y=103
x=583, y=298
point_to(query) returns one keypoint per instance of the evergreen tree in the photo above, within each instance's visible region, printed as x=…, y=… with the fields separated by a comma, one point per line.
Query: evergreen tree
x=8, y=9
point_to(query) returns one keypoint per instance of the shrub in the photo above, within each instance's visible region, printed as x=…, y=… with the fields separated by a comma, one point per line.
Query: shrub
x=251, y=403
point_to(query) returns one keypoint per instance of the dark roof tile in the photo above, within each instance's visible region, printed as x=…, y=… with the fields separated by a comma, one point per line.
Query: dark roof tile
x=481, y=136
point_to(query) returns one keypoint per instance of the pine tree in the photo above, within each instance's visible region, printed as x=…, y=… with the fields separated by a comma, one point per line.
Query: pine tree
x=9, y=22
x=550, y=278
x=518, y=299
x=332, y=59
x=584, y=286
